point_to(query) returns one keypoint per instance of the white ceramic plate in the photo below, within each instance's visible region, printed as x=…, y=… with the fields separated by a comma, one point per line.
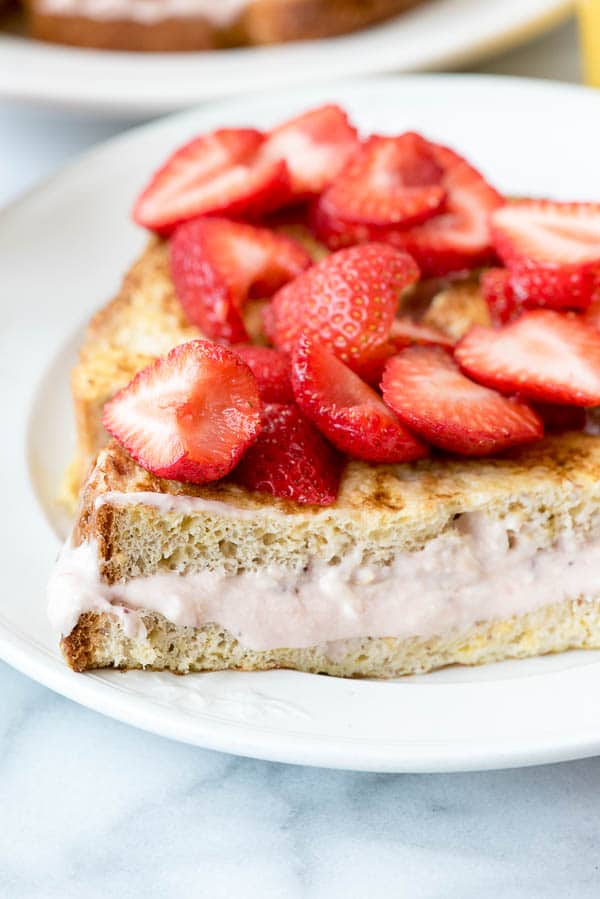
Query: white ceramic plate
x=438, y=34
x=62, y=251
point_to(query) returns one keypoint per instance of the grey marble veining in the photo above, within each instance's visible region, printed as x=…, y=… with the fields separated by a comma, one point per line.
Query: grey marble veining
x=93, y=808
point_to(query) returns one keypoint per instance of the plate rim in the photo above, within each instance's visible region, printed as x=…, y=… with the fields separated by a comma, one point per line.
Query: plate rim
x=91, y=691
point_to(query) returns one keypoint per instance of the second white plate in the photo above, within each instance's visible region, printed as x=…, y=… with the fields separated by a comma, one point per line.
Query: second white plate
x=63, y=249
x=436, y=34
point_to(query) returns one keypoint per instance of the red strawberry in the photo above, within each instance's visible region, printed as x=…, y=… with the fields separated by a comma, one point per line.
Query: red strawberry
x=552, y=250
x=561, y=418
x=347, y=411
x=190, y=415
x=499, y=295
x=291, y=459
x=543, y=356
x=315, y=146
x=406, y=331
x=391, y=180
x=216, y=264
x=455, y=240
x=426, y=390
x=592, y=313
x=271, y=370
x=214, y=173
x=347, y=301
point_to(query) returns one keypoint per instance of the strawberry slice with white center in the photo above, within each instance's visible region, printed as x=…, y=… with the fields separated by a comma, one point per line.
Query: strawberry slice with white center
x=190, y=415
x=347, y=411
x=314, y=145
x=552, y=250
x=406, y=331
x=271, y=369
x=428, y=393
x=217, y=265
x=291, y=459
x=214, y=173
x=456, y=239
x=543, y=355
x=390, y=180
x=347, y=301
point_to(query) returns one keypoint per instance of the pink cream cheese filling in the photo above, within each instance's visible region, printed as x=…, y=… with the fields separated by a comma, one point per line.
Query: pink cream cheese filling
x=479, y=569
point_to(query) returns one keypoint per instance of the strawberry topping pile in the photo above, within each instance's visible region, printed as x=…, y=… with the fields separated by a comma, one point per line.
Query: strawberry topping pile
x=352, y=372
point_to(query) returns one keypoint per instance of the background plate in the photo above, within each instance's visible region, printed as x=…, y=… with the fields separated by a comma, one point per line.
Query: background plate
x=63, y=249
x=438, y=34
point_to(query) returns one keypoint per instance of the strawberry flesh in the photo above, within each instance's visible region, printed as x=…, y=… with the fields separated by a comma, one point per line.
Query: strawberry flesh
x=190, y=415
x=428, y=393
x=347, y=411
x=456, y=239
x=391, y=180
x=552, y=250
x=543, y=355
x=215, y=173
x=291, y=459
x=271, y=368
x=347, y=301
x=499, y=295
x=314, y=145
x=217, y=264
x=406, y=331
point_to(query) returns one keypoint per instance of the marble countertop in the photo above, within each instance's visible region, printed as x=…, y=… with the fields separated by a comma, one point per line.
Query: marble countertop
x=93, y=808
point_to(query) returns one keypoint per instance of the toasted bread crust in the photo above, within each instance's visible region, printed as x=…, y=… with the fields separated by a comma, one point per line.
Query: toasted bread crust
x=99, y=642
x=260, y=22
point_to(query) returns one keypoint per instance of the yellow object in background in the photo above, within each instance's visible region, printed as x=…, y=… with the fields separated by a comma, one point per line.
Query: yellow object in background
x=589, y=31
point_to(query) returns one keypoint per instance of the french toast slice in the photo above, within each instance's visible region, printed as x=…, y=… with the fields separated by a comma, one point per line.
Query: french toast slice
x=130, y=26
x=416, y=566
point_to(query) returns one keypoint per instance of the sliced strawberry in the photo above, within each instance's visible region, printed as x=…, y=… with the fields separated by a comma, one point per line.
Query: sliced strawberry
x=291, y=459
x=214, y=173
x=428, y=393
x=458, y=239
x=592, y=314
x=314, y=145
x=190, y=415
x=499, y=295
x=271, y=369
x=217, y=264
x=390, y=180
x=347, y=301
x=406, y=331
x=552, y=250
x=347, y=411
x=559, y=418
x=543, y=356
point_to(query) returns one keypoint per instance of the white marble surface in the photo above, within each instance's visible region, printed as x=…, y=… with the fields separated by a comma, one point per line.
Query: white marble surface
x=92, y=808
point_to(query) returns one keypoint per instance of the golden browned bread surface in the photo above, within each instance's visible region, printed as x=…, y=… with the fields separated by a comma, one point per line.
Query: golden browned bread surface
x=258, y=22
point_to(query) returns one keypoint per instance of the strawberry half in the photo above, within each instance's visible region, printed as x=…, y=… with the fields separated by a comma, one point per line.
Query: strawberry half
x=455, y=240
x=291, y=459
x=314, y=145
x=390, y=180
x=217, y=264
x=347, y=301
x=347, y=411
x=543, y=356
x=428, y=393
x=499, y=295
x=271, y=370
x=190, y=415
x=552, y=250
x=214, y=173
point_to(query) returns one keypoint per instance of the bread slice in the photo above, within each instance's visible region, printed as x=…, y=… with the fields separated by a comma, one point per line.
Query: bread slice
x=415, y=567
x=134, y=25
